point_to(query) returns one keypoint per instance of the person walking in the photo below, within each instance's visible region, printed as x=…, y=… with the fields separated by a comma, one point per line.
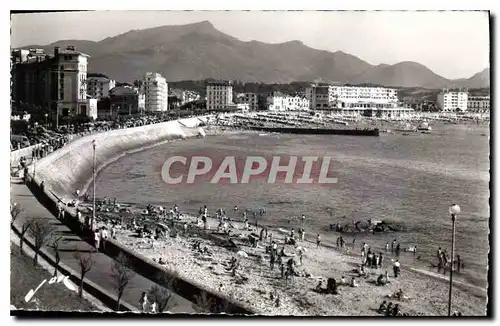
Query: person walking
x=97, y=238
x=386, y=247
x=144, y=301
x=318, y=241
x=104, y=238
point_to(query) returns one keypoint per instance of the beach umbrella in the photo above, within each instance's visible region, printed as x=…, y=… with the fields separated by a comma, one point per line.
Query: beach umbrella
x=243, y=254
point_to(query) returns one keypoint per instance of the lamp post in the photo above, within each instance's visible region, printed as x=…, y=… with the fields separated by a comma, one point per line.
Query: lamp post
x=46, y=122
x=453, y=210
x=93, y=185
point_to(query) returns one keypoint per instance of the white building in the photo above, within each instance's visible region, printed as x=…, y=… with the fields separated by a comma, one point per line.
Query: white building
x=452, y=101
x=72, y=79
x=249, y=98
x=278, y=101
x=98, y=85
x=478, y=103
x=356, y=100
x=219, y=95
x=323, y=97
x=156, y=92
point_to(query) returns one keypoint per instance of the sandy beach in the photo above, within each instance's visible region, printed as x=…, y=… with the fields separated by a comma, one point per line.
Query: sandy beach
x=254, y=283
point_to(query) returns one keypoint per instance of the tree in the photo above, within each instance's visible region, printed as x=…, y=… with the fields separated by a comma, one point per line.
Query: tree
x=121, y=276
x=86, y=263
x=41, y=232
x=203, y=303
x=24, y=229
x=162, y=294
x=15, y=210
x=55, y=246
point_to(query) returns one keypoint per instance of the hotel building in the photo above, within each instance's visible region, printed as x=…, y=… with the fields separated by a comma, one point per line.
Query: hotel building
x=452, y=101
x=156, y=92
x=356, y=100
x=53, y=81
x=219, y=95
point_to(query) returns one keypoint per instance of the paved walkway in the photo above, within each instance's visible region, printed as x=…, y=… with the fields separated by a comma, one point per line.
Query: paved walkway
x=101, y=272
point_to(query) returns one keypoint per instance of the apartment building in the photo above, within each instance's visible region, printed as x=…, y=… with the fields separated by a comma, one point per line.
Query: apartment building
x=219, y=95
x=251, y=99
x=125, y=100
x=99, y=85
x=278, y=101
x=54, y=81
x=452, y=100
x=478, y=103
x=156, y=92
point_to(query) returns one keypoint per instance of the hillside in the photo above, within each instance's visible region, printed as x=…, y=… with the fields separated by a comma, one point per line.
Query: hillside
x=199, y=51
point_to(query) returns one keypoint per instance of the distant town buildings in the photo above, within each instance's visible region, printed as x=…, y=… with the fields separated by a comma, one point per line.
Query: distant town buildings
x=156, y=92
x=99, y=85
x=452, y=100
x=251, y=99
x=55, y=81
x=278, y=101
x=478, y=103
x=219, y=95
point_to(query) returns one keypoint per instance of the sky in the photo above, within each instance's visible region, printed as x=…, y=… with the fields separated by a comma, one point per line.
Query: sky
x=453, y=44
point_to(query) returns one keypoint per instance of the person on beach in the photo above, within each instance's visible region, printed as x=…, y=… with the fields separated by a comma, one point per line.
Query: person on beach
x=338, y=242
x=342, y=242
x=272, y=260
x=396, y=268
x=396, y=311
x=398, y=249
x=353, y=283
x=380, y=260
x=113, y=232
x=383, y=307
x=96, y=239
x=388, y=310
x=393, y=245
x=386, y=247
x=318, y=241
x=143, y=301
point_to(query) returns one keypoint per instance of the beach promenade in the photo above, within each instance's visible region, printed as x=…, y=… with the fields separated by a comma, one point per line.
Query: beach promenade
x=100, y=274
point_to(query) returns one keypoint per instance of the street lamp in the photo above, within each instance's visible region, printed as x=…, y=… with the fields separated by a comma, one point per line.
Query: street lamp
x=453, y=210
x=46, y=123
x=93, y=185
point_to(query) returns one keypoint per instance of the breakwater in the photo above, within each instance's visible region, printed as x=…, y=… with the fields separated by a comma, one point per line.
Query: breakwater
x=66, y=169
x=320, y=131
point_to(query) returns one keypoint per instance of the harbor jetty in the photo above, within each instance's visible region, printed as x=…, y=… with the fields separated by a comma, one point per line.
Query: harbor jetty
x=320, y=131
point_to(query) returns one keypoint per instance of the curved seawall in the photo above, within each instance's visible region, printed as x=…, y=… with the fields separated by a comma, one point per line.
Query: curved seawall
x=70, y=167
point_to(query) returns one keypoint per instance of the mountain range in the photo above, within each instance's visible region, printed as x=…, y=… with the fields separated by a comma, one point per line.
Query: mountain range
x=199, y=51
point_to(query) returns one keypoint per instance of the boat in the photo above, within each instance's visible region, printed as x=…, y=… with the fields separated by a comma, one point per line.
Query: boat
x=424, y=126
x=407, y=128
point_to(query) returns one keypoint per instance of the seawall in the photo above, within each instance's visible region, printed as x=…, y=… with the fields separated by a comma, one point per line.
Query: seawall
x=68, y=168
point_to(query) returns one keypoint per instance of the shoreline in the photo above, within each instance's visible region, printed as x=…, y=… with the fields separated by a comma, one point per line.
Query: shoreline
x=320, y=263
